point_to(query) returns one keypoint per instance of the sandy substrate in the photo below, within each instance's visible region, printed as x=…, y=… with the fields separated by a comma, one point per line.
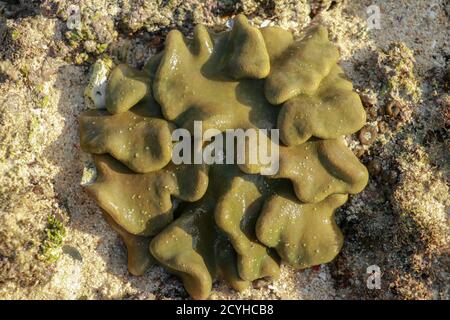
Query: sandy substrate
x=400, y=222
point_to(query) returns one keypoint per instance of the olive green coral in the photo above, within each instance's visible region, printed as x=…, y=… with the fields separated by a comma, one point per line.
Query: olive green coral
x=139, y=257
x=318, y=169
x=126, y=87
x=236, y=214
x=333, y=110
x=142, y=203
x=301, y=67
x=195, y=248
x=227, y=222
x=304, y=234
x=140, y=141
x=194, y=82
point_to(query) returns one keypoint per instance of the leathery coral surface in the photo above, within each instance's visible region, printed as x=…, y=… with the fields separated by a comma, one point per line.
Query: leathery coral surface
x=227, y=221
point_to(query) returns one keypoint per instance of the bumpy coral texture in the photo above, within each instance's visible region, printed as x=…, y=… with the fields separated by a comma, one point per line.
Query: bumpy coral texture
x=228, y=222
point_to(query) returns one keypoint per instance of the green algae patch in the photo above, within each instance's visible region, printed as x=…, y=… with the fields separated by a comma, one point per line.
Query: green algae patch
x=230, y=222
x=55, y=233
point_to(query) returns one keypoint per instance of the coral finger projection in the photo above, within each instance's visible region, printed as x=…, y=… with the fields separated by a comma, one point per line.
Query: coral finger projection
x=229, y=222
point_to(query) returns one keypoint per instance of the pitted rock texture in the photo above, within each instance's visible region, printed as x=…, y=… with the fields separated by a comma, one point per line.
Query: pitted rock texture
x=227, y=222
